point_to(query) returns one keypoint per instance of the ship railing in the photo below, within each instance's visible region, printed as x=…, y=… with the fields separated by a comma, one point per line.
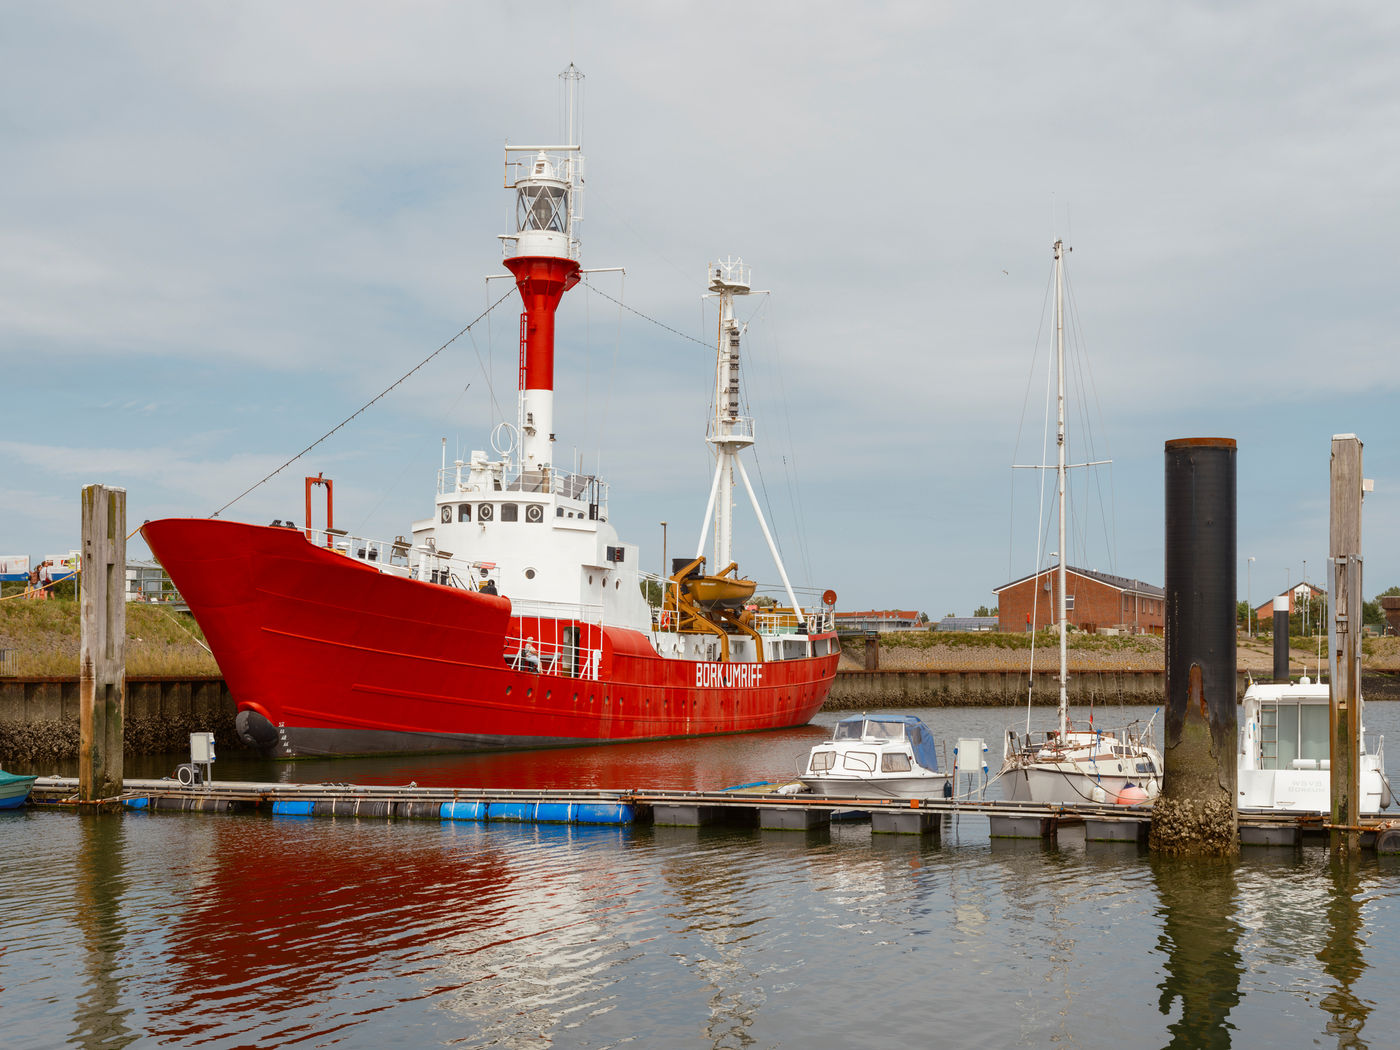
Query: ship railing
x=391, y=557
x=739, y=428
x=531, y=653
x=656, y=588
x=583, y=612
x=509, y=477
x=398, y=557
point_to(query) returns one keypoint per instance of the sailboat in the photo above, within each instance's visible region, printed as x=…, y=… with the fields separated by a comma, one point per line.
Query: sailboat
x=1068, y=764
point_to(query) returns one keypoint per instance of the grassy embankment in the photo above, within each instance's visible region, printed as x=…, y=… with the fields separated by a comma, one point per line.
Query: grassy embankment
x=43, y=639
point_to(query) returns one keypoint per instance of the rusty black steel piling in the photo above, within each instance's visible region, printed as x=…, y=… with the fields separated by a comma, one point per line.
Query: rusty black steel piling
x=1196, y=813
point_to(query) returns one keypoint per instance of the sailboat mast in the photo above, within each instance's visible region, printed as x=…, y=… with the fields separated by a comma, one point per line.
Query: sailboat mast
x=1063, y=610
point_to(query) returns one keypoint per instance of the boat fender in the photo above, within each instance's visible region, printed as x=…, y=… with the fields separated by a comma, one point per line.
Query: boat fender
x=1386, y=798
x=254, y=729
x=1131, y=795
x=947, y=789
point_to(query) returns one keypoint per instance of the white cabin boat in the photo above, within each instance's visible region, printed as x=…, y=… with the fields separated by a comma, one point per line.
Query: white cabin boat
x=1285, y=752
x=878, y=756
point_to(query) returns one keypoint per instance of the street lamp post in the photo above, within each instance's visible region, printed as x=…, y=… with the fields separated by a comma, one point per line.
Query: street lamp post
x=1307, y=601
x=1249, y=593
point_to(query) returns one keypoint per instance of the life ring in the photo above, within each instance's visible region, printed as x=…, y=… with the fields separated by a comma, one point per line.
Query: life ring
x=665, y=620
x=828, y=597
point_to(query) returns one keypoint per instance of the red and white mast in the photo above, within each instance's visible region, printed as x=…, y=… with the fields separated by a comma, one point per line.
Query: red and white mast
x=548, y=182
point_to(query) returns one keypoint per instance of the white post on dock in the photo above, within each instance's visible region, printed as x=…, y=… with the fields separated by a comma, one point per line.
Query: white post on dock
x=102, y=675
x=1345, y=542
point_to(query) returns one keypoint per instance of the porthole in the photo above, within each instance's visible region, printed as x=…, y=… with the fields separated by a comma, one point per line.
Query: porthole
x=529, y=574
x=590, y=580
x=617, y=584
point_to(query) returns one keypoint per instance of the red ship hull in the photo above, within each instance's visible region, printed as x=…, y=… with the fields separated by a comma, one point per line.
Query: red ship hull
x=327, y=655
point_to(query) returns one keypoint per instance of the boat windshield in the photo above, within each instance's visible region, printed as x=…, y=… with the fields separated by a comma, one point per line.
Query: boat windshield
x=884, y=730
x=849, y=729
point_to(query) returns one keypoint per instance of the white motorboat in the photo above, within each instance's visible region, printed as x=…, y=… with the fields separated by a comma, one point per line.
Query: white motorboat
x=1285, y=753
x=1069, y=765
x=878, y=756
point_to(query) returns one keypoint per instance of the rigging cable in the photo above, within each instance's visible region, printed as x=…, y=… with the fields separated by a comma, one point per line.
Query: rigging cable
x=790, y=460
x=660, y=324
x=362, y=408
x=1088, y=395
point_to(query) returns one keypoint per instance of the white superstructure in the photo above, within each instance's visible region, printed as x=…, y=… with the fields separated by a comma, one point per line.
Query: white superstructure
x=1285, y=752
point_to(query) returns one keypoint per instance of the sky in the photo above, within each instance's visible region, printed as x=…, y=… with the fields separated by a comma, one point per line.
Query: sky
x=224, y=229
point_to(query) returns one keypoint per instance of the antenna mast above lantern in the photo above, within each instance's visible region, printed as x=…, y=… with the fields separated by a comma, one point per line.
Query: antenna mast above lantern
x=548, y=184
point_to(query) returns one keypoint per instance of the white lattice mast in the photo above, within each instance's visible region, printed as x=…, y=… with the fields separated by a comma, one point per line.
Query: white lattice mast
x=729, y=432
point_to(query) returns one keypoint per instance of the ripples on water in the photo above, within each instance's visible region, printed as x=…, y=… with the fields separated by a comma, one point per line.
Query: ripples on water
x=213, y=931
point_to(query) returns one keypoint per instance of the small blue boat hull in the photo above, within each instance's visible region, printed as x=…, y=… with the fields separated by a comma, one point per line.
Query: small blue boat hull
x=14, y=790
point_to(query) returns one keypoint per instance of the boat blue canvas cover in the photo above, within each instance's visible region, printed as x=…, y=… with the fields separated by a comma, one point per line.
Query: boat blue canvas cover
x=910, y=727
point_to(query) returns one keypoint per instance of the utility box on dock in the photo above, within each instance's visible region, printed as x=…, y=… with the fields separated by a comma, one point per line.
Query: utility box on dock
x=201, y=748
x=199, y=770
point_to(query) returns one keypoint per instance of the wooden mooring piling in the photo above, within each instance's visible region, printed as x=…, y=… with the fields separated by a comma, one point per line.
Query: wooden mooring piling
x=102, y=662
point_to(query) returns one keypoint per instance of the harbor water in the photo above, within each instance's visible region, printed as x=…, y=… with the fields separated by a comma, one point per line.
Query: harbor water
x=173, y=929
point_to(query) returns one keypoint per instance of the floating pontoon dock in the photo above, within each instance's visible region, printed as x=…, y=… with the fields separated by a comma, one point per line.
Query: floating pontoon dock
x=758, y=805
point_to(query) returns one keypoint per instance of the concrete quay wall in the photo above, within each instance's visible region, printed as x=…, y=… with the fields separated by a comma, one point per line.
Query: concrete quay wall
x=856, y=690
x=39, y=716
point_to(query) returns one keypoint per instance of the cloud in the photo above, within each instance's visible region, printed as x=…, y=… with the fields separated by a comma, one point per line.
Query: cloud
x=229, y=227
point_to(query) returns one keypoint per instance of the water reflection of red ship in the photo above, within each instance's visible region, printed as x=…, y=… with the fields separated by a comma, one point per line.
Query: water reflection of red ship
x=373, y=904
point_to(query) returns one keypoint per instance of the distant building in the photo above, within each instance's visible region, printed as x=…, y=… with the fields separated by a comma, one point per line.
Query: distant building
x=146, y=581
x=1295, y=595
x=968, y=623
x=1098, y=601
x=877, y=620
